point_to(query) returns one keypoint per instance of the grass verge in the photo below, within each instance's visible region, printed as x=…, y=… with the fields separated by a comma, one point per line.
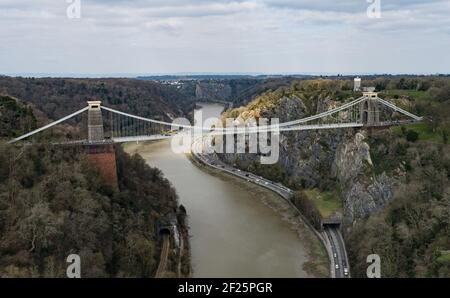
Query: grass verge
x=327, y=203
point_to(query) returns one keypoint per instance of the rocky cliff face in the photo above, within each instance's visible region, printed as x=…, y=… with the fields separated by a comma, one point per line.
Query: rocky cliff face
x=362, y=191
x=325, y=159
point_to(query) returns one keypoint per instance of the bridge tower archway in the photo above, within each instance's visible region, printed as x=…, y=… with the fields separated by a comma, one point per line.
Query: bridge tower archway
x=369, y=110
x=365, y=112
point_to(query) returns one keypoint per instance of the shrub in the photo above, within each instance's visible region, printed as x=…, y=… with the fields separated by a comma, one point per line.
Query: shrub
x=412, y=136
x=308, y=209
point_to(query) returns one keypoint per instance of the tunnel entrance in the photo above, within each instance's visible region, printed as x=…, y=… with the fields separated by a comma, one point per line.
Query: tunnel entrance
x=331, y=225
x=164, y=231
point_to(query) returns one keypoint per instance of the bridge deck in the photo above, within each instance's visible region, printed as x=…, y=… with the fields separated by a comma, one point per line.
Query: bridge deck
x=141, y=138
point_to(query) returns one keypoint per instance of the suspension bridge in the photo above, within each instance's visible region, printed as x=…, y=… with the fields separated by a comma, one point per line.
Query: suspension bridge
x=106, y=125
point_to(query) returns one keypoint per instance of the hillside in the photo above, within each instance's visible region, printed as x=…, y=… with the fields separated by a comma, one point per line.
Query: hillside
x=238, y=91
x=57, y=97
x=16, y=118
x=53, y=203
x=412, y=233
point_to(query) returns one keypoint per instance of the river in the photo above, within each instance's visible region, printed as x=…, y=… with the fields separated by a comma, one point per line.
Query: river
x=234, y=231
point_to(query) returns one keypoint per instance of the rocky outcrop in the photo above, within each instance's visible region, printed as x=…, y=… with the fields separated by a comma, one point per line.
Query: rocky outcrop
x=286, y=109
x=363, y=193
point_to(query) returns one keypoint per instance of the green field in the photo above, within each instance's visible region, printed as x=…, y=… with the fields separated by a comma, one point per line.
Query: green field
x=326, y=202
x=424, y=131
x=444, y=258
x=418, y=95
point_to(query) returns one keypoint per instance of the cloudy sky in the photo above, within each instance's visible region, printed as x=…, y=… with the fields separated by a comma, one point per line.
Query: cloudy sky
x=251, y=36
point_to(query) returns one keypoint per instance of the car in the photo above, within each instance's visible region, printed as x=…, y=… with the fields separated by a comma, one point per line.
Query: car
x=335, y=255
x=266, y=183
x=257, y=180
x=345, y=271
x=336, y=266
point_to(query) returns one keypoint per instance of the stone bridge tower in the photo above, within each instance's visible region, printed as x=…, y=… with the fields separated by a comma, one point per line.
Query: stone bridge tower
x=369, y=109
x=95, y=122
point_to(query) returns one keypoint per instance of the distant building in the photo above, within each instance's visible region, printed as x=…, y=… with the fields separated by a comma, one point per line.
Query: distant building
x=369, y=89
x=357, y=84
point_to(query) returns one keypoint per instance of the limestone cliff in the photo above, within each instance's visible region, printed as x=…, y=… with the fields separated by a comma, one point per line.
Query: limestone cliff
x=327, y=159
x=362, y=191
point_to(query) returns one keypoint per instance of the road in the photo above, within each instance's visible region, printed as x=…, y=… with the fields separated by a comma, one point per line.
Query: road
x=338, y=251
x=163, y=258
x=336, y=248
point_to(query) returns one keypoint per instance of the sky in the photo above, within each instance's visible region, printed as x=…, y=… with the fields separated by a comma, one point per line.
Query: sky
x=218, y=36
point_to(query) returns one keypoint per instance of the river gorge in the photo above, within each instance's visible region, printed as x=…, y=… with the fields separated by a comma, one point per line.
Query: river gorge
x=237, y=229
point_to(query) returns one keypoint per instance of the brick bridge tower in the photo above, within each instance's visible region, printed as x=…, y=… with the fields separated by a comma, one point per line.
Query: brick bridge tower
x=100, y=152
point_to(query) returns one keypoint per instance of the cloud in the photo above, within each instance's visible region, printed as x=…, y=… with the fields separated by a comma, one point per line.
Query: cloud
x=171, y=8
x=218, y=35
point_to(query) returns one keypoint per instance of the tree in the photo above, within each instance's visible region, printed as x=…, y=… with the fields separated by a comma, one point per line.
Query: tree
x=67, y=210
x=307, y=208
x=412, y=136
